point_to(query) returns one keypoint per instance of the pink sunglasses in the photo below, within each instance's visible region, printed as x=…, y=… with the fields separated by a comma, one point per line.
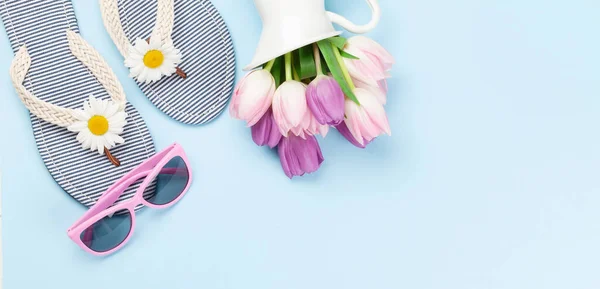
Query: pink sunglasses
x=104, y=229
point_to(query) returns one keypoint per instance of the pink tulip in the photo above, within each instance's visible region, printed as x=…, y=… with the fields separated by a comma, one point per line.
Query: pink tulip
x=309, y=126
x=290, y=109
x=326, y=100
x=253, y=96
x=301, y=130
x=266, y=132
x=315, y=127
x=367, y=121
x=299, y=156
x=374, y=61
x=379, y=91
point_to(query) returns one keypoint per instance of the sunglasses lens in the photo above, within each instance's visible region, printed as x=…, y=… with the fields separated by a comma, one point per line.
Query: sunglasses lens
x=107, y=233
x=170, y=182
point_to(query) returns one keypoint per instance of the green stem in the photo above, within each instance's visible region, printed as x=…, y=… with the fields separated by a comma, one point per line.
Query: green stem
x=340, y=59
x=288, y=66
x=269, y=65
x=296, y=75
x=317, y=59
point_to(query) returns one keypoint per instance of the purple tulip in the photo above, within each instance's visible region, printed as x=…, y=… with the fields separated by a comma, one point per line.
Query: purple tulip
x=326, y=100
x=343, y=129
x=300, y=156
x=266, y=131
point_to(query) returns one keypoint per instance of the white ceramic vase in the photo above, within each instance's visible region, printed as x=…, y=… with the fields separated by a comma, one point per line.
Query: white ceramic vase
x=291, y=24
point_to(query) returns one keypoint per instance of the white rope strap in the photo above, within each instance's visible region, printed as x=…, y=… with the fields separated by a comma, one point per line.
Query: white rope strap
x=150, y=59
x=112, y=22
x=97, y=65
x=163, y=28
x=165, y=19
x=99, y=123
x=49, y=112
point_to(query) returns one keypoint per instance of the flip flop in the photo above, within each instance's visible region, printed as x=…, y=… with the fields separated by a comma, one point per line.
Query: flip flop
x=179, y=51
x=87, y=134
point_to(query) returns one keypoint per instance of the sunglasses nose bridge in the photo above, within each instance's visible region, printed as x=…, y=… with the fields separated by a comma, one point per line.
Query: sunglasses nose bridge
x=138, y=199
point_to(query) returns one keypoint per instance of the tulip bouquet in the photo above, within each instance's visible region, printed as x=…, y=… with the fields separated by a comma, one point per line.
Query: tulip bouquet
x=335, y=82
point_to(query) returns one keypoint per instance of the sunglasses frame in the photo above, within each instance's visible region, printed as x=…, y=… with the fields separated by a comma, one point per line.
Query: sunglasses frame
x=148, y=170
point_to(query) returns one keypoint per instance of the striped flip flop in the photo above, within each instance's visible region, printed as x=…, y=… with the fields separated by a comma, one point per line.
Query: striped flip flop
x=87, y=134
x=179, y=51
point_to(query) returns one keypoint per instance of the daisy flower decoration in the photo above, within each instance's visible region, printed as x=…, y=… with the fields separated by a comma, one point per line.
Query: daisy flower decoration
x=149, y=61
x=99, y=124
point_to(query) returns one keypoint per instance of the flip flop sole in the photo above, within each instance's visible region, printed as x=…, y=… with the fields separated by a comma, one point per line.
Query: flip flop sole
x=208, y=58
x=56, y=76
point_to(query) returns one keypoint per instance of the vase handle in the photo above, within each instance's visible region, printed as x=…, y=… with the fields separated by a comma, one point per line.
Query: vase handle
x=359, y=29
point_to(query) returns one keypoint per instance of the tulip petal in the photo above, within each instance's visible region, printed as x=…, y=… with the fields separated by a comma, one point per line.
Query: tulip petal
x=300, y=156
x=308, y=157
x=352, y=121
x=294, y=101
x=290, y=108
x=374, y=61
x=374, y=110
x=379, y=91
x=253, y=96
x=325, y=99
x=345, y=132
x=368, y=44
x=367, y=121
x=266, y=132
x=278, y=114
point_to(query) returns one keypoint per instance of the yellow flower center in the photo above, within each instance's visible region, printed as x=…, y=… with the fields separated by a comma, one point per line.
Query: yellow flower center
x=153, y=58
x=98, y=125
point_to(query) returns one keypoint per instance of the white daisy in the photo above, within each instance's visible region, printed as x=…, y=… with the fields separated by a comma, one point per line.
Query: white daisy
x=99, y=124
x=148, y=62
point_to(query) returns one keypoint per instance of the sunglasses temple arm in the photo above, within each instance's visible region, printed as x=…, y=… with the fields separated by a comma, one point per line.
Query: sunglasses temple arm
x=110, y=197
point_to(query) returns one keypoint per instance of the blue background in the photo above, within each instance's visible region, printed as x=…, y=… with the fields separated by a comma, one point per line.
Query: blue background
x=489, y=181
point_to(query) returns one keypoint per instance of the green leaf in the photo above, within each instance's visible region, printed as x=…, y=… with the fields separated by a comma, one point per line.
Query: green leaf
x=336, y=70
x=324, y=65
x=347, y=55
x=307, y=68
x=277, y=71
x=338, y=41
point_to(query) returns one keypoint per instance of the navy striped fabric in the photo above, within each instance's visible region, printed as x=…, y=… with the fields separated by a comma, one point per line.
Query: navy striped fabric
x=56, y=76
x=208, y=58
